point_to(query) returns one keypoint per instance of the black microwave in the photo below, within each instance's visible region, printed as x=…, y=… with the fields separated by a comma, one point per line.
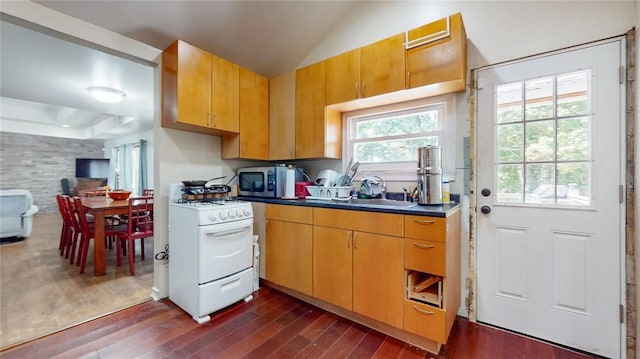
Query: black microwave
x=266, y=182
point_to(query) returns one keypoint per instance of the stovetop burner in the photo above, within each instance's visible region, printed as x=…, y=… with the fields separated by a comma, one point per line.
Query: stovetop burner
x=206, y=190
x=204, y=201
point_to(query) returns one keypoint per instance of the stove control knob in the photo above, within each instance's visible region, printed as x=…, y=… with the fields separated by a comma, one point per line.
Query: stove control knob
x=247, y=212
x=212, y=217
x=222, y=215
x=239, y=213
x=232, y=214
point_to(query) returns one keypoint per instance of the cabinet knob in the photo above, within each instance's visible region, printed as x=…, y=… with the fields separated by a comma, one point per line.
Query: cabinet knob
x=356, y=90
x=485, y=209
x=363, y=85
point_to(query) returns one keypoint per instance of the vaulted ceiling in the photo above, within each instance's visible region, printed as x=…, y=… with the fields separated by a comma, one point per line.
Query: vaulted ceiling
x=44, y=79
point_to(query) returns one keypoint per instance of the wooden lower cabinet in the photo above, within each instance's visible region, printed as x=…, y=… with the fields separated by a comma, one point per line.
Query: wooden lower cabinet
x=357, y=263
x=432, y=247
x=378, y=277
x=425, y=321
x=289, y=247
x=333, y=265
x=359, y=271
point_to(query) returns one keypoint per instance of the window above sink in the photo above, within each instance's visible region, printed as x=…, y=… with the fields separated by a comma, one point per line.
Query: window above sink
x=385, y=139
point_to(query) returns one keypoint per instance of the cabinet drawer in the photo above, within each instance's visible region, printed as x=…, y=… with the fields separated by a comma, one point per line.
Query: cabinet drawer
x=361, y=221
x=425, y=320
x=427, y=228
x=296, y=214
x=425, y=256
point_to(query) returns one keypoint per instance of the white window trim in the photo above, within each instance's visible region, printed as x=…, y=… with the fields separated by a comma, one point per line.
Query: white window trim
x=406, y=171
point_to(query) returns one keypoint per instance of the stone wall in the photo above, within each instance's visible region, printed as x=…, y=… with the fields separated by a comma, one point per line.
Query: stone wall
x=38, y=163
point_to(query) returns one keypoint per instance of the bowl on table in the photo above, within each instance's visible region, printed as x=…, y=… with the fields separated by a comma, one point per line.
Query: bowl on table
x=119, y=195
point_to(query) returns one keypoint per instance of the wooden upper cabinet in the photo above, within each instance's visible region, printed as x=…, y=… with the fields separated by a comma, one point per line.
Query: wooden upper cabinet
x=382, y=67
x=282, y=117
x=200, y=91
x=225, y=95
x=186, y=87
x=252, y=142
x=318, y=133
x=369, y=71
x=437, y=54
x=342, y=77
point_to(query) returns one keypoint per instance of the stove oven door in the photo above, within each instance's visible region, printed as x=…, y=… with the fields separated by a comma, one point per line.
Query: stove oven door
x=224, y=249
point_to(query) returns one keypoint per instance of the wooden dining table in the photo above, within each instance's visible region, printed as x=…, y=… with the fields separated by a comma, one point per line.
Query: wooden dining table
x=102, y=207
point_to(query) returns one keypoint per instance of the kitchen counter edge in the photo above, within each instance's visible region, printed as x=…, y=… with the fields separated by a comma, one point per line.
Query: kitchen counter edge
x=444, y=210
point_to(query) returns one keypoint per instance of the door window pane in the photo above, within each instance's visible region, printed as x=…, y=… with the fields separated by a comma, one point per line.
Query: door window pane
x=573, y=93
x=509, y=101
x=574, y=180
x=573, y=139
x=539, y=179
x=509, y=142
x=545, y=157
x=539, y=98
x=510, y=183
x=540, y=141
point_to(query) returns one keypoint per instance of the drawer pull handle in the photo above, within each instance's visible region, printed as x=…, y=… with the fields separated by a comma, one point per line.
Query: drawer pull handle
x=422, y=221
x=423, y=311
x=424, y=246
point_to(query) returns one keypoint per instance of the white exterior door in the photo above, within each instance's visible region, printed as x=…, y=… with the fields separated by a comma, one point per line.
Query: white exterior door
x=550, y=154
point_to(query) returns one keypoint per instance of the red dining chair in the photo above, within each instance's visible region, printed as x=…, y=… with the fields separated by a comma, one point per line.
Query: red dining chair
x=88, y=232
x=66, y=232
x=76, y=232
x=139, y=226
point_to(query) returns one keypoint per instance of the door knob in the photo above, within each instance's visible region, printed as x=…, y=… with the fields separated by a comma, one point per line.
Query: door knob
x=485, y=209
x=486, y=192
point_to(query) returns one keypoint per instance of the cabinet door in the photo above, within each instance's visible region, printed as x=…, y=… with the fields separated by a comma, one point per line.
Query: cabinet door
x=253, y=140
x=225, y=95
x=382, y=67
x=310, y=101
x=342, y=77
x=378, y=277
x=288, y=255
x=442, y=61
x=332, y=271
x=282, y=117
x=254, y=115
x=186, y=86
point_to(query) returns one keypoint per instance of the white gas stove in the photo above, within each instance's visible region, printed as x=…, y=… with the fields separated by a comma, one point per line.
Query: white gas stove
x=210, y=253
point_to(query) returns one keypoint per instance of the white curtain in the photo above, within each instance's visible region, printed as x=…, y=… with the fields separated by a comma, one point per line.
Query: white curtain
x=129, y=167
x=113, y=164
x=125, y=166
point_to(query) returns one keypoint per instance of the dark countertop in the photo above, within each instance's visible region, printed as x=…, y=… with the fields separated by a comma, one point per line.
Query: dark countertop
x=386, y=207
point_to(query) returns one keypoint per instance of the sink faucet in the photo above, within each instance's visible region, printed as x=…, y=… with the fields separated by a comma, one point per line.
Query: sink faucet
x=383, y=187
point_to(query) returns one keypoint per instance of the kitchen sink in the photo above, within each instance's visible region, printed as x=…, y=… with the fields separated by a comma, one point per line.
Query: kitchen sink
x=381, y=202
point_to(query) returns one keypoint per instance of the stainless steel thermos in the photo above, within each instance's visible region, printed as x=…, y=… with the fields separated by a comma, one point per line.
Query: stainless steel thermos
x=429, y=175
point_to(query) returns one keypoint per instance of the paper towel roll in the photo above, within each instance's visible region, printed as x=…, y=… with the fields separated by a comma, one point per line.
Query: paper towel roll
x=290, y=182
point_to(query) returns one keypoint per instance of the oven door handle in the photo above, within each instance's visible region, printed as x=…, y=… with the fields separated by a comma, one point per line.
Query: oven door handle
x=226, y=233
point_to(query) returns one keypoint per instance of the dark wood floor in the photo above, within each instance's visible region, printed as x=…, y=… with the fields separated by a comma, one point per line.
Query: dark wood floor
x=273, y=325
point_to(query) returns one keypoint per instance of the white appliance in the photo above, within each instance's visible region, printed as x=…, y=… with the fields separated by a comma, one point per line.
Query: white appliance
x=210, y=254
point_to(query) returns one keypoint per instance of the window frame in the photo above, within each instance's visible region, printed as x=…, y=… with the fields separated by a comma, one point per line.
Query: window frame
x=403, y=171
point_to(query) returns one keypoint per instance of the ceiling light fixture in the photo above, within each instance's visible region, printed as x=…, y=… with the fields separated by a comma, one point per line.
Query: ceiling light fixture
x=106, y=94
